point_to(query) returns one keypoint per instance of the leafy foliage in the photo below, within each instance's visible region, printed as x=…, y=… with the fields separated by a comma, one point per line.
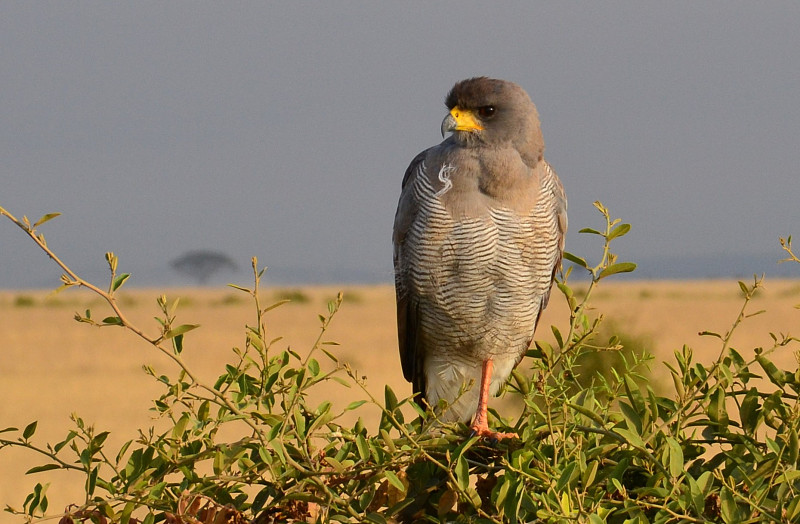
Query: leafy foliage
x=721, y=446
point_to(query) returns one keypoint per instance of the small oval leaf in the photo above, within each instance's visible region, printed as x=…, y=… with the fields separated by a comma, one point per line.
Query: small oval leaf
x=355, y=405
x=180, y=330
x=619, y=231
x=575, y=259
x=394, y=480
x=119, y=281
x=45, y=467
x=29, y=430
x=613, y=269
x=45, y=218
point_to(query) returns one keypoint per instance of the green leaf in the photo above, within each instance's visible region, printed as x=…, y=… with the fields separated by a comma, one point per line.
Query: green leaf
x=99, y=439
x=792, y=446
x=729, y=511
x=45, y=467
x=355, y=405
x=566, y=507
x=632, y=418
x=590, y=474
x=595, y=417
x=716, y=409
x=91, y=481
x=634, y=394
x=773, y=446
x=566, y=475
x=335, y=464
x=124, y=516
x=29, y=430
x=776, y=376
x=177, y=344
x=119, y=281
x=219, y=462
x=374, y=518
x=631, y=437
x=462, y=472
x=180, y=427
x=363, y=448
x=416, y=407
x=676, y=468
x=575, y=259
x=112, y=321
x=394, y=480
x=749, y=411
x=619, y=231
x=546, y=350
x=323, y=418
x=557, y=334
x=793, y=509
x=122, y=451
x=788, y=476
x=313, y=367
x=387, y=441
x=613, y=269
x=45, y=218
x=390, y=398
x=591, y=231
x=37, y=500
x=180, y=330
x=696, y=494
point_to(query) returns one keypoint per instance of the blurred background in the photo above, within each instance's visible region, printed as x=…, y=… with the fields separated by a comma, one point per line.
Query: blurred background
x=282, y=131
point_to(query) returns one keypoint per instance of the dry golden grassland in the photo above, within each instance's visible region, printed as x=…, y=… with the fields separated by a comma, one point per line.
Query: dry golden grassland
x=52, y=366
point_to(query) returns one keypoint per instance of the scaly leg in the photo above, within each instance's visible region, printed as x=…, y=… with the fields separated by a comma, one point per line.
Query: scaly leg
x=480, y=424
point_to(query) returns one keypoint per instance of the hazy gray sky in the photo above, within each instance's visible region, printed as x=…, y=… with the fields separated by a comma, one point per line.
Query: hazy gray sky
x=282, y=130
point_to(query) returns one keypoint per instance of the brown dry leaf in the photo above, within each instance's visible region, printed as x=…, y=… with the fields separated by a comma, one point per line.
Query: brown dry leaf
x=484, y=487
x=83, y=515
x=447, y=502
x=393, y=494
x=381, y=498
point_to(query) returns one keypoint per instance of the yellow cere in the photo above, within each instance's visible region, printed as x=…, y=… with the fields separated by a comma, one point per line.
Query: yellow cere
x=465, y=120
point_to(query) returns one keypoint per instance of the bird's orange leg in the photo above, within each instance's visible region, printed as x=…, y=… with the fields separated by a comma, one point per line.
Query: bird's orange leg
x=480, y=424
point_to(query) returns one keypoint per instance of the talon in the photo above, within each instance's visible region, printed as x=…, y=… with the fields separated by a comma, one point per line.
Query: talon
x=491, y=436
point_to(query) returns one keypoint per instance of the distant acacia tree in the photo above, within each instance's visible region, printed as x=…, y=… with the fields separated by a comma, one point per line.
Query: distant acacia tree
x=200, y=265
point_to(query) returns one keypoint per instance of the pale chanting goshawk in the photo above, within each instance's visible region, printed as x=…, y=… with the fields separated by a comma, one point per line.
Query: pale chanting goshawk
x=478, y=237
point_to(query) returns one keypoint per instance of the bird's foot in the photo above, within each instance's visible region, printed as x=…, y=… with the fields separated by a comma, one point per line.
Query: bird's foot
x=483, y=431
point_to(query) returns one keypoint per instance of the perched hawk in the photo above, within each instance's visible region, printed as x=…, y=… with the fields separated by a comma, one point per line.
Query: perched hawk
x=478, y=236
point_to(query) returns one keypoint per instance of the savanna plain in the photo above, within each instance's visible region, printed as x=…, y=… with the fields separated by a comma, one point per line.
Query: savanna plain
x=52, y=366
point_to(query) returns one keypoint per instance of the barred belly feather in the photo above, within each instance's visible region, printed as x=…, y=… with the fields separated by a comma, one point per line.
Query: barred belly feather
x=481, y=282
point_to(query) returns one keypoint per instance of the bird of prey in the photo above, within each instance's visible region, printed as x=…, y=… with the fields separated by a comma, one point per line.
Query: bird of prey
x=478, y=237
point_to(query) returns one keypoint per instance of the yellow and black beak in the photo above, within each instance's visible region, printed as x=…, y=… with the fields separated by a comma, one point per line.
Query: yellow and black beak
x=460, y=120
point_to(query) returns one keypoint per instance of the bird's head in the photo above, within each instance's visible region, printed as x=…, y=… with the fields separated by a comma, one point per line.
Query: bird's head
x=496, y=113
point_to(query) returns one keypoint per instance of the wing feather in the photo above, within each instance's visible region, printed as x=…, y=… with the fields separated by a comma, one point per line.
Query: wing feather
x=408, y=322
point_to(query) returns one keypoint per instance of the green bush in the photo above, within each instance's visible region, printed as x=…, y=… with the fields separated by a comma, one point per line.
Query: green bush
x=24, y=301
x=721, y=446
x=292, y=295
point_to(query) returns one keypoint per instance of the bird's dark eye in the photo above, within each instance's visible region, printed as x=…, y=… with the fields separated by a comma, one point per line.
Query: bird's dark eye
x=486, y=111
